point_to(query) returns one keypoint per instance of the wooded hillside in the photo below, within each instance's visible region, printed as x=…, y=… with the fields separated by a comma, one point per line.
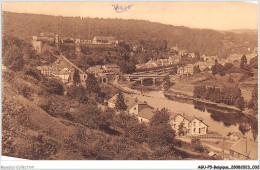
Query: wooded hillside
x=208, y=42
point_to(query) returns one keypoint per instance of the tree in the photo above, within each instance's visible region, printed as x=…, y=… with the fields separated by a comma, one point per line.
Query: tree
x=90, y=116
x=180, y=129
x=196, y=69
x=161, y=132
x=164, y=45
x=243, y=61
x=32, y=71
x=78, y=93
x=54, y=86
x=196, y=145
x=76, y=77
x=197, y=55
x=254, y=62
x=214, y=69
x=240, y=103
x=92, y=85
x=120, y=102
x=253, y=103
x=13, y=58
x=167, y=83
x=160, y=117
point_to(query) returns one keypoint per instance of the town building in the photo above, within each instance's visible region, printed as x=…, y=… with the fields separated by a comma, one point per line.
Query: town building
x=175, y=48
x=86, y=41
x=185, y=70
x=198, y=127
x=65, y=74
x=145, y=115
x=48, y=71
x=111, y=69
x=96, y=70
x=202, y=65
x=137, y=107
x=192, y=126
x=235, y=136
x=174, y=59
x=104, y=40
x=210, y=63
x=43, y=43
x=192, y=55
x=204, y=57
x=129, y=101
x=177, y=119
x=236, y=64
x=244, y=149
x=141, y=66
x=151, y=64
x=62, y=70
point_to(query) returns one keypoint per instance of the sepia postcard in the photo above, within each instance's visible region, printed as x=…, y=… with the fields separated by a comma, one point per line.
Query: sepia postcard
x=130, y=80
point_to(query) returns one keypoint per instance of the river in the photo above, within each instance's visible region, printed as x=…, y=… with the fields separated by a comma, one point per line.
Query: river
x=218, y=121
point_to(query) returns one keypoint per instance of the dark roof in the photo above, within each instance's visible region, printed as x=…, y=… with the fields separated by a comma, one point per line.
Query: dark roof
x=173, y=115
x=200, y=119
x=146, y=113
x=129, y=101
x=136, y=102
x=246, y=147
x=238, y=134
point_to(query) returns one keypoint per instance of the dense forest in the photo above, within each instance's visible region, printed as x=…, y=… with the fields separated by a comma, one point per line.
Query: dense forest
x=134, y=32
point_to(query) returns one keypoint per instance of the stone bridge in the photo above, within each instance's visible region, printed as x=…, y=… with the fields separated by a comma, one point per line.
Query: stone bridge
x=141, y=77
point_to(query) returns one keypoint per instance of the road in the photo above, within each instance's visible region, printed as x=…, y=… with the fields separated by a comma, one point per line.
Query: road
x=209, y=146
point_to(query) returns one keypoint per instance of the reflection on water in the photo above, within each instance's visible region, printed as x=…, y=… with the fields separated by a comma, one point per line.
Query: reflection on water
x=220, y=120
x=229, y=117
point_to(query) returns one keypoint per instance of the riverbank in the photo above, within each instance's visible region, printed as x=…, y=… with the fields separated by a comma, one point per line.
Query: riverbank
x=177, y=94
x=183, y=95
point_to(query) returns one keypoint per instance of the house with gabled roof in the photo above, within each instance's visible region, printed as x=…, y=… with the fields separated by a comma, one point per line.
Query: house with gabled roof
x=137, y=107
x=65, y=74
x=145, y=115
x=244, y=149
x=129, y=101
x=235, y=136
x=192, y=126
x=198, y=127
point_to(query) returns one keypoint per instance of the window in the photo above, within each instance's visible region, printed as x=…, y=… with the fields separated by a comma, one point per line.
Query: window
x=199, y=130
x=194, y=130
x=203, y=129
x=194, y=123
x=174, y=126
x=135, y=108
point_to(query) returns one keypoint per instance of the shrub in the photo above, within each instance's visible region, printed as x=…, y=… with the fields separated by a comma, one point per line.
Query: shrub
x=78, y=93
x=25, y=90
x=34, y=73
x=54, y=86
x=196, y=145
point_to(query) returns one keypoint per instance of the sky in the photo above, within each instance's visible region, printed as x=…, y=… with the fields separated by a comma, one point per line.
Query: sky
x=210, y=15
